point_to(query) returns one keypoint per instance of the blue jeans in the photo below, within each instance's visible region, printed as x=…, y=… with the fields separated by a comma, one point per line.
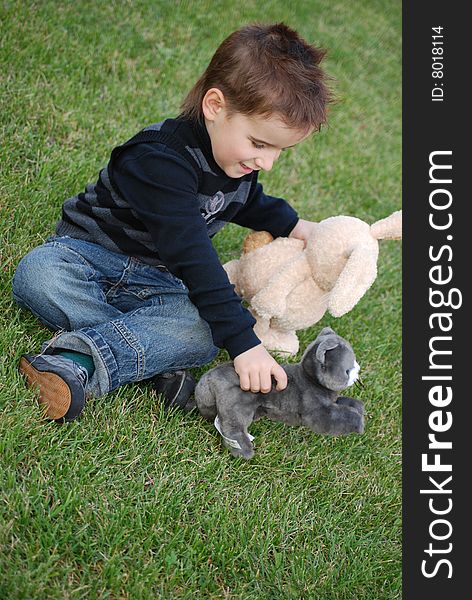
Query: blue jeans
x=135, y=320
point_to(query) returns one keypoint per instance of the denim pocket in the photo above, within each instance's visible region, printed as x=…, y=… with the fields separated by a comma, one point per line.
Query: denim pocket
x=143, y=293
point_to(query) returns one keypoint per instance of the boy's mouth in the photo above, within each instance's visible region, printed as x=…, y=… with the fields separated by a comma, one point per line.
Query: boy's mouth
x=245, y=168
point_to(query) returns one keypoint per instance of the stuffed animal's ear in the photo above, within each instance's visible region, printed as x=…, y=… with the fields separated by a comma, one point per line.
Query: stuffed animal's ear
x=355, y=279
x=255, y=240
x=326, y=331
x=325, y=345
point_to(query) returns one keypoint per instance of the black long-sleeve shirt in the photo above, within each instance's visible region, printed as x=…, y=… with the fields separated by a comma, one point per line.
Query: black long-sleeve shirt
x=161, y=199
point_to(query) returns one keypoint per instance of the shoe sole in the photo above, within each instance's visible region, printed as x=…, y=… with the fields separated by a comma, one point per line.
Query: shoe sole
x=54, y=393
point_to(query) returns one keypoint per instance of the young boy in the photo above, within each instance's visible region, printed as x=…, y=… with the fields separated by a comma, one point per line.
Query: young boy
x=130, y=280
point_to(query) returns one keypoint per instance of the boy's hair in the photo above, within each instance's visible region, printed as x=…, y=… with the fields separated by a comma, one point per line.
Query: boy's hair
x=264, y=70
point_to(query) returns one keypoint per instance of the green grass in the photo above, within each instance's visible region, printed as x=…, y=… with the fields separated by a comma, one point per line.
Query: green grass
x=131, y=502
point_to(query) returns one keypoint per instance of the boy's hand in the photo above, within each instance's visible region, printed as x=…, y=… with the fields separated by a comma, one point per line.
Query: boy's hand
x=255, y=368
x=302, y=230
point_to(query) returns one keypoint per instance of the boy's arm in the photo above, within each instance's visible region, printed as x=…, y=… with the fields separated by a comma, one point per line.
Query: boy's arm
x=262, y=212
x=161, y=189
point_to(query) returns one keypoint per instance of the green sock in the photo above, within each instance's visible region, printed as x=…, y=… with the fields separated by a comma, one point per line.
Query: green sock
x=85, y=360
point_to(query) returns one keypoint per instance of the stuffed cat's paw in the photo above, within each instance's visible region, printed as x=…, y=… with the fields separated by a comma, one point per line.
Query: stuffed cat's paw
x=352, y=421
x=357, y=405
x=238, y=443
x=360, y=423
x=246, y=452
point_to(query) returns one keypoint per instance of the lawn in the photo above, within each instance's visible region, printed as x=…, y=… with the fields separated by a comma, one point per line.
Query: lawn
x=131, y=502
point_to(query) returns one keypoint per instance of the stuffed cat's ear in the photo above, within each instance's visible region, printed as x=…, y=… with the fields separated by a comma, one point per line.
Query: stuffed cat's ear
x=323, y=348
x=326, y=331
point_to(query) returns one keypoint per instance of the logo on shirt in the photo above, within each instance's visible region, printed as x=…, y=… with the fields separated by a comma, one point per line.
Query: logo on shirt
x=213, y=206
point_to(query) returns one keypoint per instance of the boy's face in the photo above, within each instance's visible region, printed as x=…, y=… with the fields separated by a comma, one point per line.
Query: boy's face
x=242, y=144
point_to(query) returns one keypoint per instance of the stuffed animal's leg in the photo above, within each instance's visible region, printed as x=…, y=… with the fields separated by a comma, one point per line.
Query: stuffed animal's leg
x=283, y=342
x=271, y=300
x=233, y=429
x=357, y=405
x=336, y=419
x=355, y=279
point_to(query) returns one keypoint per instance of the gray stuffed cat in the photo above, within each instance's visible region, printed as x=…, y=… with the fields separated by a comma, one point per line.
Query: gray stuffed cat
x=311, y=397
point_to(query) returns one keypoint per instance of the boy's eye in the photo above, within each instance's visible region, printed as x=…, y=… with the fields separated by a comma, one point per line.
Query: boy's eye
x=258, y=146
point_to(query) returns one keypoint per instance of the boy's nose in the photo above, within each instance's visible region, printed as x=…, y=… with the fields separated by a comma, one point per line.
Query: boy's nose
x=266, y=162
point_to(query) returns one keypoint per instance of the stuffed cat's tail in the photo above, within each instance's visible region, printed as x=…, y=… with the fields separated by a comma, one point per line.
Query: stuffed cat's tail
x=205, y=398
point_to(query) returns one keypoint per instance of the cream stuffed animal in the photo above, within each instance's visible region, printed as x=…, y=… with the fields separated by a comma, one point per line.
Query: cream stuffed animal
x=289, y=287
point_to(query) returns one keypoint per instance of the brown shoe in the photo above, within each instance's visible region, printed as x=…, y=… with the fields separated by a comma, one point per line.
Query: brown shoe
x=61, y=384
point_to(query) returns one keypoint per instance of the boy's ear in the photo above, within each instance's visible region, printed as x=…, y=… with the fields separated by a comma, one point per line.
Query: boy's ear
x=212, y=104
